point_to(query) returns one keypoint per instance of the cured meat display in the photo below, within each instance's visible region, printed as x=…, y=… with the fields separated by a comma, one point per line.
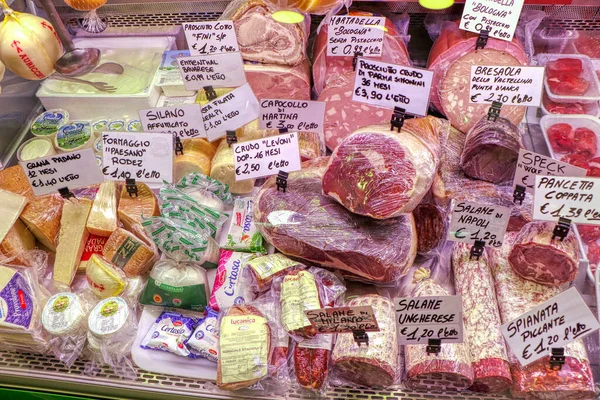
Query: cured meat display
x=473, y=281
x=430, y=220
x=491, y=150
x=564, y=77
x=450, y=369
x=279, y=81
x=383, y=174
x=537, y=380
x=302, y=222
x=373, y=365
x=451, y=58
x=537, y=257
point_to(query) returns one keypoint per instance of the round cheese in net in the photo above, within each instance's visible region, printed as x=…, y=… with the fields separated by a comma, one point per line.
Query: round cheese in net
x=64, y=315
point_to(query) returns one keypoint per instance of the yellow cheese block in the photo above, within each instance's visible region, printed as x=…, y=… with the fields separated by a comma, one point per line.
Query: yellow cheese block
x=128, y=252
x=11, y=205
x=131, y=209
x=17, y=240
x=199, y=145
x=191, y=163
x=72, y=239
x=104, y=278
x=223, y=170
x=103, y=217
x=13, y=179
x=42, y=216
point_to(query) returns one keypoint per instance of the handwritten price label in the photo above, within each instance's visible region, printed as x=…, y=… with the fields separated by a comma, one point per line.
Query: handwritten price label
x=473, y=221
x=573, y=198
x=499, y=18
x=229, y=112
x=520, y=86
x=343, y=319
x=217, y=70
x=293, y=115
x=212, y=37
x=351, y=34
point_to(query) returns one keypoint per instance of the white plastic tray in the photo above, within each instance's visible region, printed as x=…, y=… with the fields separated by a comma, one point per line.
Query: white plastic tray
x=589, y=74
x=590, y=109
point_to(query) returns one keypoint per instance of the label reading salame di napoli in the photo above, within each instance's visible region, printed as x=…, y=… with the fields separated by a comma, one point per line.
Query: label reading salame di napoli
x=73, y=170
x=145, y=157
x=351, y=34
x=229, y=112
x=577, y=199
x=390, y=85
x=508, y=85
x=343, y=319
x=293, y=115
x=499, y=17
x=531, y=164
x=216, y=70
x=210, y=37
x=552, y=324
x=184, y=121
x=472, y=221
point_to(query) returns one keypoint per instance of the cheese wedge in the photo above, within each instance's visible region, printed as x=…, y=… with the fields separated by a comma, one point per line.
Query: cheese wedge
x=13, y=179
x=71, y=240
x=199, y=146
x=11, y=206
x=128, y=252
x=103, y=217
x=190, y=163
x=104, y=278
x=17, y=240
x=42, y=216
x=131, y=209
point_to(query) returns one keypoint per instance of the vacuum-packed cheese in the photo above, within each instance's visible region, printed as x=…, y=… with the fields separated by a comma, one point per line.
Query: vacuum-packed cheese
x=17, y=240
x=104, y=278
x=11, y=205
x=42, y=216
x=128, y=252
x=223, y=170
x=102, y=220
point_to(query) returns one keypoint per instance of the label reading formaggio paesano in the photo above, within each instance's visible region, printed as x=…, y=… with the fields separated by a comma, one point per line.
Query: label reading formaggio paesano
x=244, y=348
x=298, y=293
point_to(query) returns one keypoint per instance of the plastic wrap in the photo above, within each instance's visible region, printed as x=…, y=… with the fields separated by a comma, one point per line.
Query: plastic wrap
x=538, y=380
x=375, y=365
x=206, y=191
x=223, y=170
x=536, y=257
x=129, y=253
x=242, y=233
x=103, y=220
x=431, y=221
x=450, y=369
x=311, y=363
x=181, y=285
x=17, y=242
x=473, y=281
x=266, y=268
x=491, y=150
x=204, y=342
x=270, y=81
x=570, y=78
x=263, y=38
x=303, y=222
x=382, y=174
x=133, y=208
x=104, y=278
x=170, y=333
x=232, y=284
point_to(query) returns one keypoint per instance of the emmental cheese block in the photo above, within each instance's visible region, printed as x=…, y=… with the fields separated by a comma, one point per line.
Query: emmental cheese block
x=128, y=252
x=223, y=170
x=72, y=239
x=17, y=240
x=42, y=216
x=132, y=208
x=11, y=206
x=102, y=220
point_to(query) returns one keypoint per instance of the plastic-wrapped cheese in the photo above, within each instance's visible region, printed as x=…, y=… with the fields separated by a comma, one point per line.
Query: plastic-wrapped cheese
x=64, y=315
x=108, y=317
x=133, y=208
x=206, y=191
x=104, y=278
x=128, y=252
x=223, y=169
x=17, y=240
x=102, y=220
x=11, y=205
x=42, y=216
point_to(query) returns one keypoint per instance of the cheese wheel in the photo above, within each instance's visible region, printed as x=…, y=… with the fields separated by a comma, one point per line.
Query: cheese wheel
x=223, y=169
x=11, y=205
x=131, y=209
x=199, y=145
x=102, y=220
x=64, y=315
x=108, y=317
x=191, y=163
x=104, y=278
x=17, y=240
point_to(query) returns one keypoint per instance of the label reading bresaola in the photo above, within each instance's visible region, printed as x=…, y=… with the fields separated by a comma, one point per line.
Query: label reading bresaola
x=216, y=70
x=343, y=319
x=499, y=17
x=429, y=317
x=293, y=115
x=508, y=85
x=351, y=34
x=531, y=164
x=73, y=170
x=473, y=221
x=184, y=121
x=145, y=157
x=577, y=199
x=553, y=324
x=390, y=85
x=210, y=37
x=229, y=112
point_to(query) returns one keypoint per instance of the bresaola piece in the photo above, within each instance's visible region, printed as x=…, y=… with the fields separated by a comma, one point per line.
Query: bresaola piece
x=538, y=258
x=491, y=150
x=562, y=108
x=564, y=77
x=381, y=173
x=561, y=137
x=303, y=222
x=585, y=142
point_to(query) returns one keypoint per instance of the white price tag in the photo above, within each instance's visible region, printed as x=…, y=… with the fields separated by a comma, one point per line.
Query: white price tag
x=430, y=317
x=343, y=319
x=72, y=170
x=266, y=157
x=145, y=157
x=577, y=199
x=521, y=86
x=184, y=121
x=472, y=221
x=500, y=18
x=390, y=85
x=554, y=323
x=216, y=70
x=229, y=112
x=350, y=34
x=293, y=115
x=531, y=164
x=210, y=37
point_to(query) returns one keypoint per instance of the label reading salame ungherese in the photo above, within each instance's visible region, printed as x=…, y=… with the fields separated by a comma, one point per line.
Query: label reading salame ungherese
x=184, y=121
x=472, y=221
x=343, y=319
x=520, y=86
x=390, y=85
x=577, y=199
x=216, y=70
x=293, y=115
x=210, y=37
x=351, y=34
x=499, y=17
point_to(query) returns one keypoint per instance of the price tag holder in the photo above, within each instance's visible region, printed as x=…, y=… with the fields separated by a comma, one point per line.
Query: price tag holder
x=420, y=319
x=500, y=18
x=577, y=199
x=553, y=324
x=145, y=157
x=211, y=37
x=531, y=164
x=73, y=170
x=266, y=157
x=343, y=319
x=216, y=70
x=184, y=121
x=351, y=34
x=229, y=112
x=390, y=85
x=471, y=222
x=293, y=115
x=520, y=86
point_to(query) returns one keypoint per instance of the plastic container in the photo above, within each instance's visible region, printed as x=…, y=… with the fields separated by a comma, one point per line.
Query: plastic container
x=168, y=77
x=592, y=109
x=35, y=148
x=554, y=40
x=589, y=74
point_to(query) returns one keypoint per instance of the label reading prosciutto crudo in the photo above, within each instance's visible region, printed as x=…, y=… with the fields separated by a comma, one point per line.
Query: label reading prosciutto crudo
x=429, y=317
x=351, y=34
x=211, y=37
x=553, y=324
x=508, y=85
x=478, y=222
x=499, y=17
x=343, y=319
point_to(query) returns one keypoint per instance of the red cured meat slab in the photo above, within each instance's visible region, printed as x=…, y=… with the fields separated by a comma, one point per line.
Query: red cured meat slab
x=577, y=160
x=562, y=67
x=568, y=85
x=562, y=108
x=585, y=142
x=589, y=233
x=561, y=137
x=430, y=220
